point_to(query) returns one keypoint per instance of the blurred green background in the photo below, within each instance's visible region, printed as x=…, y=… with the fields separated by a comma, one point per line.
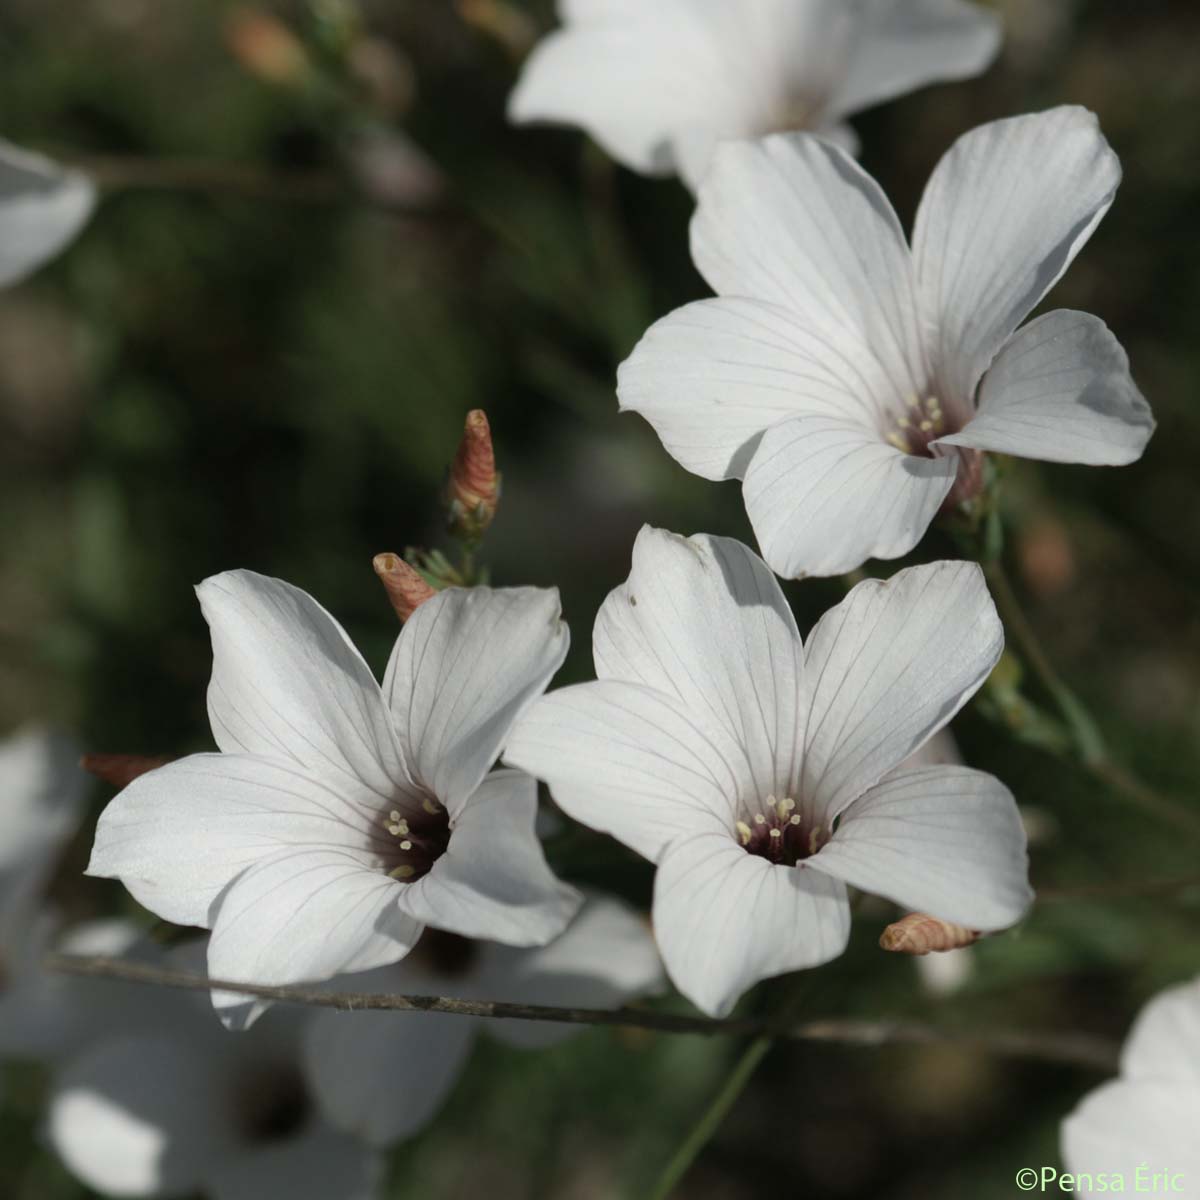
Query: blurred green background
x=260, y=354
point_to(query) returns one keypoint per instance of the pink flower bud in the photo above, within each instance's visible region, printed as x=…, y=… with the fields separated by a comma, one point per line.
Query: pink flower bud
x=266, y=47
x=121, y=770
x=405, y=587
x=473, y=488
x=919, y=933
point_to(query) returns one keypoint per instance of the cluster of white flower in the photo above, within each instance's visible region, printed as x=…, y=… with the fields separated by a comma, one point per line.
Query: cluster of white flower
x=854, y=383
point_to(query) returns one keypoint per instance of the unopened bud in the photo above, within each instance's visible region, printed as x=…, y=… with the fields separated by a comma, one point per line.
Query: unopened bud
x=121, y=770
x=503, y=22
x=473, y=488
x=266, y=47
x=919, y=933
x=405, y=587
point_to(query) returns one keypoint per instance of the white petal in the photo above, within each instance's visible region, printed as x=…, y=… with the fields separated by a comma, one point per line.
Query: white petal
x=605, y=957
x=1164, y=1044
x=889, y=667
x=725, y=919
x=318, y=1164
x=793, y=221
x=1060, y=391
x=140, y=1115
x=493, y=880
x=633, y=762
x=941, y=840
x=42, y=207
x=179, y=835
x=629, y=87
x=1005, y=212
x=906, y=46
x=463, y=669
x=825, y=494
x=703, y=620
x=382, y=1076
x=713, y=376
x=42, y=791
x=304, y=915
x=1124, y=1126
x=288, y=683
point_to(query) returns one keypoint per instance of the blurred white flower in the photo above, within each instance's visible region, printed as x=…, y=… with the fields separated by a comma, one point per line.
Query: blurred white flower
x=42, y=792
x=659, y=84
x=1148, y=1117
x=852, y=383
x=382, y=1076
x=42, y=207
x=762, y=776
x=341, y=818
x=169, y=1103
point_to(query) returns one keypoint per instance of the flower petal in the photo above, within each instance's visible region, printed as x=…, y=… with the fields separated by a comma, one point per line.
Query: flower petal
x=288, y=683
x=903, y=47
x=42, y=207
x=1060, y=391
x=632, y=762
x=121, y=1121
x=177, y=836
x=1005, y=212
x=793, y=221
x=382, y=1076
x=889, y=667
x=467, y=663
x=1124, y=1126
x=725, y=919
x=713, y=376
x=300, y=916
x=605, y=957
x=42, y=791
x=1164, y=1044
x=493, y=880
x=318, y=1164
x=825, y=494
x=629, y=85
x=940, y=840
x=703, y=620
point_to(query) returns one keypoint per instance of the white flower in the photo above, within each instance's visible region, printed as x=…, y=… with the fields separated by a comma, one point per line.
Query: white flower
x=341, y=818
x=42, y=207
x=760, y=774
x=1148, y=1117
x=851, y=382
x=42, y=792
x=169, y=1103
x=659, y=83
x=382, y=1076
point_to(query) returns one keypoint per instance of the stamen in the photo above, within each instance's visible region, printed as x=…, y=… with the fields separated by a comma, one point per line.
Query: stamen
x=745, y=833
x=404, y=871
x=429, y=806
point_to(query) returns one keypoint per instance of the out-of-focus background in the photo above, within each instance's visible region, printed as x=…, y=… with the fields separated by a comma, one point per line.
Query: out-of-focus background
x=316, y=250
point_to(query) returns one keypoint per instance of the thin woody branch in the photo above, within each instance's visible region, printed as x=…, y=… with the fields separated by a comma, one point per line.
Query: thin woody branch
x=1064, y=1048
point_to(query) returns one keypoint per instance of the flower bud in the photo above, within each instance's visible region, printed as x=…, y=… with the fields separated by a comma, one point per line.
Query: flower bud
x=919, y=933
x=121, y=770
x=473, y=488
x=266, y=47
x=405, y=587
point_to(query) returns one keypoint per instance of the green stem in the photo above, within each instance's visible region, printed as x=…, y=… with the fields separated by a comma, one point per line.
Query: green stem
x=1086, y=734
x=712, y=1118
x=1089, y=746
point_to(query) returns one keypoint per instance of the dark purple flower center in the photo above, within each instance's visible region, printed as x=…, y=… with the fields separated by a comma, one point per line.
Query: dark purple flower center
x=780, y=833
x=920, y=424
x=416, y=840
